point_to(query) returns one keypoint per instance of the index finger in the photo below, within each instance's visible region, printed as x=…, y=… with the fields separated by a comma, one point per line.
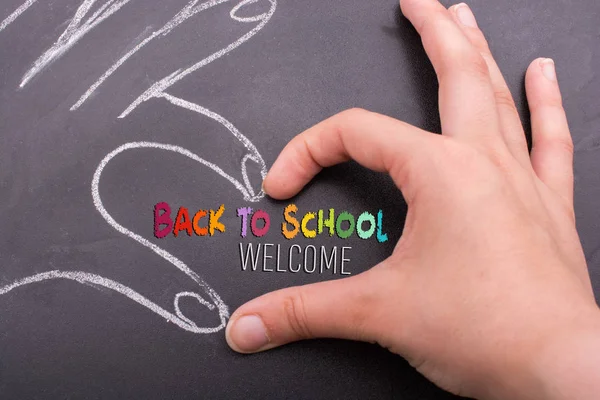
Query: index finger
x=373, y=140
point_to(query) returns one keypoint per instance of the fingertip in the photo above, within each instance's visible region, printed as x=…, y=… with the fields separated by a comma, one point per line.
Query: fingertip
x=542, y=67
x=532, y=71
x=287, y=175
x=464, y=15
x=552, y=153
x=541, y=83
x=548, y=69
x=278, y=188
x=247, y=334
x=264, y=185
x=228, y=338
x=270, y=186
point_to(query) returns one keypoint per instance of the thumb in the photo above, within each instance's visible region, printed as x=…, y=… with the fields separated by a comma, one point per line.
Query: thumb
x=350, y=308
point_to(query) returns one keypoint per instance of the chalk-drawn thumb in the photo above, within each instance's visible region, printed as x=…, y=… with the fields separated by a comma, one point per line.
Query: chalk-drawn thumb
x=177, y=318
x=348, y=308
x=209, y=298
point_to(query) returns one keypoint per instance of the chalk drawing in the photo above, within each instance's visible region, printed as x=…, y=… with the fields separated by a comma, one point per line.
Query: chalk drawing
x=159, y=87
x=8, y=20
x=86, y=278
x=72, y=34
x=254, y=155
x=190, y=10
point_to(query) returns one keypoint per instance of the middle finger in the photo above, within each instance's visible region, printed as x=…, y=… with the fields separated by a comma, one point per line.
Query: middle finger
x=467, y=102
x=510, y=122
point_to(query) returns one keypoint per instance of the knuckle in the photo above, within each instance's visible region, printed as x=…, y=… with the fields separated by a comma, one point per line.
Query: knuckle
x=354, y=112
x=346, y=117
x=476, y=64
x=555, y=103
x=499, y=157
x=480, y=163
x=478, y=39
x=551, y=103
x=555, y=143
x=426, y=26
x=305, y=161
x=569, y=210
x=563, y=144
x=467, y=62
x=566, y=143
x=505, y=100
x=482, y=44
x=294, y=308
x=454, y=57
x=502, y=160
x=433, y=29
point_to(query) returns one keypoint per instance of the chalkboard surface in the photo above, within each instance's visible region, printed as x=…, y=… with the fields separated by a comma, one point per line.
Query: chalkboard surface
x=109, y=107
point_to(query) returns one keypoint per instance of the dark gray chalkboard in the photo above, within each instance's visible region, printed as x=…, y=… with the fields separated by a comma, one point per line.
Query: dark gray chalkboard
x=296, y=63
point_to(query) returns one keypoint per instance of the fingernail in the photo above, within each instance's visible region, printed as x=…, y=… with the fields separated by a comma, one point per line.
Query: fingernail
x=249, y=334
x=465, y=15
x=548, y=69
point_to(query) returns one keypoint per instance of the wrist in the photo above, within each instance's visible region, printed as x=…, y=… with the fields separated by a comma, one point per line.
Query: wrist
x=569, y=367
x=565, y=365
x=558, y=364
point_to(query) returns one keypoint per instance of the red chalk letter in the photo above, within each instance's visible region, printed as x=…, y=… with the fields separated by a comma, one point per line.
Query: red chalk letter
x=256, y=231
x=162, y=219
x=182, y=222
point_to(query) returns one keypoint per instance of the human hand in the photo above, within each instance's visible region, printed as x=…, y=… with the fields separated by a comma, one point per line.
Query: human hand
x=487, y=292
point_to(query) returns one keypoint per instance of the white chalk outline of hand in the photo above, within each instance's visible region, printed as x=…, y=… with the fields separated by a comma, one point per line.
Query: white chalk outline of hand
x=245, y=189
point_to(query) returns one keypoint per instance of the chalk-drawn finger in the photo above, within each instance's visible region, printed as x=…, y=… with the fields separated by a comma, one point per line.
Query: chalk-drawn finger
x=15, y=14
x=510, y=122
x=353, y=308
x=158, y=88
x=211, y=300
x=253, y=155
x=552, y=153
x=81, y=23
x=466, y=97
x=373, y=140
x=96, y=280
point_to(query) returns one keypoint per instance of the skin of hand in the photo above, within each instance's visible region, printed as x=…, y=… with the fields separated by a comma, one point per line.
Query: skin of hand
x=487, y=293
